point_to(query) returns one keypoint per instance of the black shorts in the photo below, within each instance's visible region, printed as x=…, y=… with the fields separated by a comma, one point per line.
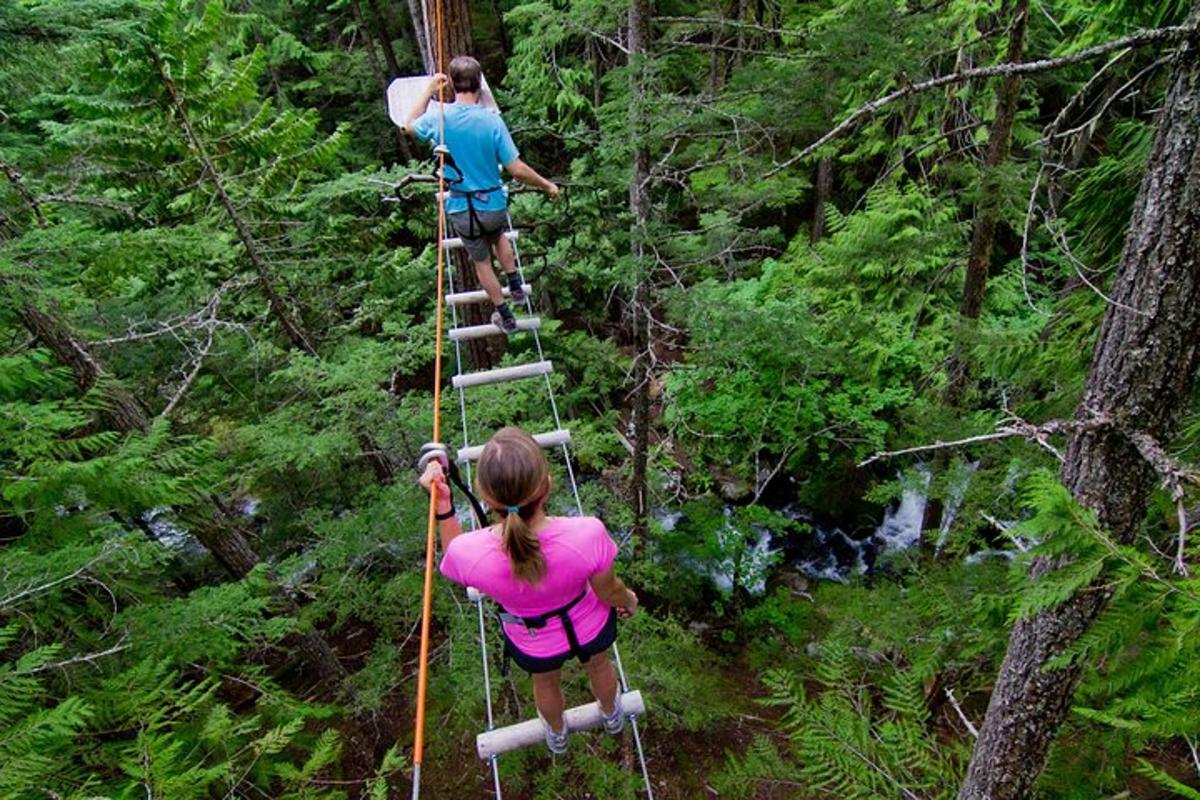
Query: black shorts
x=487, y=229
x=534, y=665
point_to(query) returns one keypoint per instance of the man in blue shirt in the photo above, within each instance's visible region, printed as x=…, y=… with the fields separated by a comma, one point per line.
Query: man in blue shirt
x=477, y=207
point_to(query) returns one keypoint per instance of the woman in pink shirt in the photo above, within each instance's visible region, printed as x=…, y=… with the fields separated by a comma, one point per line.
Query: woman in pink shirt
x=553, y=576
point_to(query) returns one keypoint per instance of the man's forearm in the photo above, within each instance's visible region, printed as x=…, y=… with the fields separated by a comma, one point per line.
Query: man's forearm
x=418, y=109
x=529, y=176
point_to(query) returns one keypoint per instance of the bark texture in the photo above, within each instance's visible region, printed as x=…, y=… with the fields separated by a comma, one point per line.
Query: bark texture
x=987, y=210
x=640, y=12
x=266, y=281
x=485, y=352
x=822, y=191
x=1141, y=378
x=122, y=411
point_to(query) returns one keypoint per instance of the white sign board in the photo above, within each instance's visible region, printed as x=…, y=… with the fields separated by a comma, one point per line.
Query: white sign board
x=404, y=93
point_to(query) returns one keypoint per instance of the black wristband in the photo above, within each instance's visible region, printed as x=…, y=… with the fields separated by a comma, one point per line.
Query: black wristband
x=446, y=516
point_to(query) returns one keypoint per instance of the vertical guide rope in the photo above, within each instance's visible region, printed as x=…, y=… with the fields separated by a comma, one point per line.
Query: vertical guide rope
x=431, y=523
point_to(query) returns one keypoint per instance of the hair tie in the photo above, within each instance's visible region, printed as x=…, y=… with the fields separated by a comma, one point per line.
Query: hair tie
x=513, y=509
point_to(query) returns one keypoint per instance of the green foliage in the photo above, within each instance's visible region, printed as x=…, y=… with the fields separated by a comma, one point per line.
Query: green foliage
x=185, y=176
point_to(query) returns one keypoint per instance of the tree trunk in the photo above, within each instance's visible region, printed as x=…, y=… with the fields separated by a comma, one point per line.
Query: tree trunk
x=1141, y=377
x=455, y=32
x=218, y=532
x=18, y=183
x=640, y=12
x=987, y=211
x=122, y=411
x=266, y=281
x=823, y=189
x=422, y=34
x=484, y=352
x=402, y=149
x=383, y=35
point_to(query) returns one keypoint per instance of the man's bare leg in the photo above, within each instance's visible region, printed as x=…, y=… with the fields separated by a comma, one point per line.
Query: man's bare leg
x=505, y=255
x=487, y=279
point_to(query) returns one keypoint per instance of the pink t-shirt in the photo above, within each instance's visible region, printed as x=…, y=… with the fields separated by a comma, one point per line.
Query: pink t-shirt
x=575, y=549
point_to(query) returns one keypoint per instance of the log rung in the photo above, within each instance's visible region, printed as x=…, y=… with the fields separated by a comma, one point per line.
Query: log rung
x=502, y=375
x=530, y=732
x=480, y=331
x=478, y=296
x=547, y=440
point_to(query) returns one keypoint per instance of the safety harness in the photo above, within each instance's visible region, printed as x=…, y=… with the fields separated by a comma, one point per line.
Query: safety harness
x=470, y=195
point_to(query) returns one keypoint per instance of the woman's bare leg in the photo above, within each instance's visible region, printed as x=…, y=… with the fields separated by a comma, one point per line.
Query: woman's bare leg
x=548, y=697
x=603, y=678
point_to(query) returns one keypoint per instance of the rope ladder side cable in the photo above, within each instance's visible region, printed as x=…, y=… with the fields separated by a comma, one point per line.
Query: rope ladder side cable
x=637, y=738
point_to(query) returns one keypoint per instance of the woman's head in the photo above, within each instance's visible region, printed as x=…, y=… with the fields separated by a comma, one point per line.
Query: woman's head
x=514, y=479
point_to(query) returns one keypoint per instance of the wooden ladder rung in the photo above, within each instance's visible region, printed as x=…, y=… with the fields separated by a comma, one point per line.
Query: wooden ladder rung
x=480, y=331
x=547, y=440
x=502, y=375
x=478, y=296
x=530, y=732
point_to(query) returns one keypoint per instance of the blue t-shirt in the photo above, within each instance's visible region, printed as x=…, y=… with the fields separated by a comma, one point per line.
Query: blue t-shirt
x=479, y=142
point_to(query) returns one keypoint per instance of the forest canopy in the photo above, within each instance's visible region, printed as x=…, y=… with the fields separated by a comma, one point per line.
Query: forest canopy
x=874, y=325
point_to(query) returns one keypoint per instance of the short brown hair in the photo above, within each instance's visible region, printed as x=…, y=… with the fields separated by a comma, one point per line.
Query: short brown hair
x=466, y=74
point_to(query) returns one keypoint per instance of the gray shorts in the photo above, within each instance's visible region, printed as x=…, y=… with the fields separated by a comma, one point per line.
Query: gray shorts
x=488, y=227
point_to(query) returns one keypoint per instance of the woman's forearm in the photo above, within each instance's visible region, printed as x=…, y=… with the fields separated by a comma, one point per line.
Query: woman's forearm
x=617, y=594
x=448, y=528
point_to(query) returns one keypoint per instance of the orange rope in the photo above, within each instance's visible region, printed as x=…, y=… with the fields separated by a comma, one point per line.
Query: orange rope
x=427, y=597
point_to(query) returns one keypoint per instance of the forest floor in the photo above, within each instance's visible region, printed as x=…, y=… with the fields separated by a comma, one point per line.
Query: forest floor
x=680, y=762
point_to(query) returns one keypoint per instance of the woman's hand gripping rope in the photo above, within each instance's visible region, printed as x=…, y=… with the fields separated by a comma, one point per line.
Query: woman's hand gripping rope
x=434, y=479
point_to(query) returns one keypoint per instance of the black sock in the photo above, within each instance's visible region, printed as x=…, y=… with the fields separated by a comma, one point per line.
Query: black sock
x=514, y=280
x=505, y=311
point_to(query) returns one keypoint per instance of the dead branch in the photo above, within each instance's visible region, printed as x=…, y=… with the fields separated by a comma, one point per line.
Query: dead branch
x=1174, y=476
x=197, y=363
x=1010, y=428
x=18, y=183
x=870, y=108
x=958, y=710
x=89, y=658
x=715, y=22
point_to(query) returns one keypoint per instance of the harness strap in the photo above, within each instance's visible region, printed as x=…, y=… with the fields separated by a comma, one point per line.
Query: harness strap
x=469, y=195
x=538, y=622
x=472, y=213
x=476, y=506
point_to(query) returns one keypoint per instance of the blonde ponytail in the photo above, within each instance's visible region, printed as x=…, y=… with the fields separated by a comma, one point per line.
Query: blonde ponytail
x=514, y=478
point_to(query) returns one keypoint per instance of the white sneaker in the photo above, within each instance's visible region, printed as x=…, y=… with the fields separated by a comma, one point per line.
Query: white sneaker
x=615, y=722
x=555, y=742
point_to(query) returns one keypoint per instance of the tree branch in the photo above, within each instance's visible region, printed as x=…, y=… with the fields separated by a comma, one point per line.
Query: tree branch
x=1015, y=426
x=14, y=177
x=869, y=109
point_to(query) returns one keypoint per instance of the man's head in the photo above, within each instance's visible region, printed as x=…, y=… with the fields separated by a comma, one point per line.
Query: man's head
x=466, y=75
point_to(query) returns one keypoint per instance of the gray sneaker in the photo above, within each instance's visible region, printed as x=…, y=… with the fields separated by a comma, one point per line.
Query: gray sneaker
x=505, y=322
x=555, y=742
x=615, y=722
